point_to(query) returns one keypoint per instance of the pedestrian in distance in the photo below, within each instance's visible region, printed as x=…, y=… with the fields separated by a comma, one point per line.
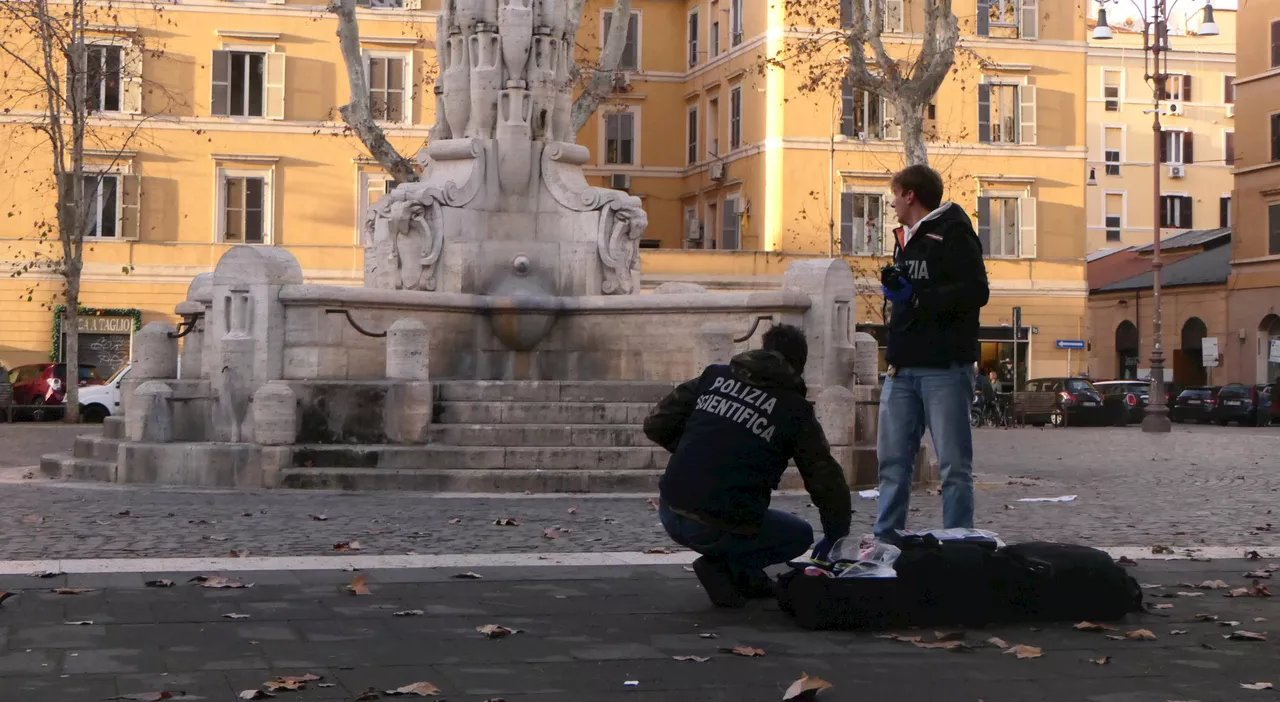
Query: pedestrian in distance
x=731, y=433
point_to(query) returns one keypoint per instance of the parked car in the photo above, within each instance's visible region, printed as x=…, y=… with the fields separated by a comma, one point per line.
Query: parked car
x=6, y=392
x=1195, y=405
x=1274, y=401
x=1078, y=403
x=97, y=402
x=1239, y=403
x=39, y=385
x=1133, y=393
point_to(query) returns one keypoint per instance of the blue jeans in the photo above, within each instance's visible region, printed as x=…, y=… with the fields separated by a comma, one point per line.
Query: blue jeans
x=915, y=398
x=781, y=538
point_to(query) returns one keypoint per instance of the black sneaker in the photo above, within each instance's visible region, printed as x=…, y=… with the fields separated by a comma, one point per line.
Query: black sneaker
x=717, y=580
x=756, y=586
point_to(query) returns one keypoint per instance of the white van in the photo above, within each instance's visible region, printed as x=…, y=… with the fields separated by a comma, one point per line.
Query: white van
x=97, y=402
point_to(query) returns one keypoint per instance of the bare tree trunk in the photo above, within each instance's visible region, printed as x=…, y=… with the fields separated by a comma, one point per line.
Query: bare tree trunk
x=911, y=120
x=601, y=83
x=358, y=114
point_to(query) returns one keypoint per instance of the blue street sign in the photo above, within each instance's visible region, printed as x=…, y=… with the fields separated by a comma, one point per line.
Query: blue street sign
x=1070, y=344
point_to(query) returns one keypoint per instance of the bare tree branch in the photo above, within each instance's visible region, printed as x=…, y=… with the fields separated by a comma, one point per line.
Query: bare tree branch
x=601, y=83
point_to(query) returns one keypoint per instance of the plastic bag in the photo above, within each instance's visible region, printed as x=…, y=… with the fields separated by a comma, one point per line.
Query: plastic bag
x=864, y=557
x=958, y=535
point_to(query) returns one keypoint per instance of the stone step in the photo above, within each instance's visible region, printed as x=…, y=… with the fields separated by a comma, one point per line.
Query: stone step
x=496, y=458
x=434, y=480
x=598, y=435
x=553, y=391
x=98, y=448
x=113, y=427
x=61, y=466
x=492, y=412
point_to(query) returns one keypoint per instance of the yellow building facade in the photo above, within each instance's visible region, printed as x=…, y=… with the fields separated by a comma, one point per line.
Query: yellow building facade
x=1196, y=150
x=739, y=169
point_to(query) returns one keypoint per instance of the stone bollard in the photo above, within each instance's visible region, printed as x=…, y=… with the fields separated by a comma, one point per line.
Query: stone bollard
x=154, y=357
x=408, y=350
x=275, y=415
x=835, y=409
x=151, y=420
x=714, y=345
x=866, y=363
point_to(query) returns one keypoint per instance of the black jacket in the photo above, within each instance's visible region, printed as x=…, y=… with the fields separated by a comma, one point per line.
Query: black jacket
x=731, y=432
x=943, y=261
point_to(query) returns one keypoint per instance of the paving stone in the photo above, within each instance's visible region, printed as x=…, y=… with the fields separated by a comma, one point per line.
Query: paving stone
x=113, y=661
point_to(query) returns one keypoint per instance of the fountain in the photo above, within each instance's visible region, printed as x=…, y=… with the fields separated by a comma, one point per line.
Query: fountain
x=499, y=342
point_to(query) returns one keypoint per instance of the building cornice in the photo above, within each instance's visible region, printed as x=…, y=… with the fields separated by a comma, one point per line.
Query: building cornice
x=1274, y=72
x=247, y=34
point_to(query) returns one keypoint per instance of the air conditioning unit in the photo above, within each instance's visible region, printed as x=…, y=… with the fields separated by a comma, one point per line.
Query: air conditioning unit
x=1231, y=109
x=1177, y=108
x=621, y=80
x=693, y=229
x=620, y=181
x=1177, y=170
x=717, y=170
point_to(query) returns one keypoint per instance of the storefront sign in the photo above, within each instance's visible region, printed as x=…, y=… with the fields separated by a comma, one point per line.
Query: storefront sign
x=92, y=324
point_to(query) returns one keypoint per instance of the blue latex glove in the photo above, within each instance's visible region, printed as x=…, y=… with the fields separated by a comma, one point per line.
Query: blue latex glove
x=822, y=551
x=902, y=294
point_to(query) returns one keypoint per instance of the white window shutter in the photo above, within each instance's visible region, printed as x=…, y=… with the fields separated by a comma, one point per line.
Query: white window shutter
x=220, y=102
x=409, y=116
x=1029, y=20
x=1027, y=116
x=131, y=80
x=888, y=222
x=130, y=206
x=892, y=130
x=1027, y=227
x=893, y=16
x=275, y=85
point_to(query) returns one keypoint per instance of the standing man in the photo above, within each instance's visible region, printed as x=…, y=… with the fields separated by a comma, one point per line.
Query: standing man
x=731, y=433
x=937, y=286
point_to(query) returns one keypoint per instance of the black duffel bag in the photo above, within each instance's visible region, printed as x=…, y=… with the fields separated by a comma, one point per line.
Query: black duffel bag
x=1067, y=582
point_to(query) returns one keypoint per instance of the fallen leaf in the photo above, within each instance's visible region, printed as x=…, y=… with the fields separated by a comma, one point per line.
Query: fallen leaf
x=4, y=595
x=318, y=517
x=284, y=685
x=237, y=554
x=1252, y=556
x=659, y=550
x=1240, y=635
x=308, y=677
x=1151, y=586
x=1257, y=686
x=744, y=651
x=708, y=636
x=1115, y=637
x=1101, y=661
x=572, y=510
x=506, y=521
x=1162, y=606
x=1259, y=619
x=695, y=659
x=997, y=642
x=550, y=533
x=347, y=546
x=468, y=576
x=255, y=695
x=157, y=696
x=496, y=631
x=1190, y=594
x=948, y=635
x=235, y=615
x=32, y=519
x=357, y=586
x=1160, y=550
x=1230, y=623
x=899, y=637
x=219, y=582
x=408, y=613
x=653, y=504
x=159, y=583
x=86, y=622
x=1141, y=635
x=370, y=694
x=54, y=574
x=947, y=645
x=1177, y=632
x=1206, y=617
x=1239, y=592
x=1126, y=561
x=1260, y=590
x=418, y=689
x=1213, y=585
x=1090, y=626
x=1025, y=651
x=805, y=688
x=71, y=590
x=1264, y=574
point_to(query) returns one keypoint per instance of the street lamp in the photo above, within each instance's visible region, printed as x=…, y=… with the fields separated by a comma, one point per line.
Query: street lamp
x=1155, y=61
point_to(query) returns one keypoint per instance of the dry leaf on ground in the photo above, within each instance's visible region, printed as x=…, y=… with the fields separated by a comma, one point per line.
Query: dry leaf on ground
x=347, y=546
x=418, y=689
x=1126, y=561
x=1252, y=556
x=219, y=582
x=1151, y=586
x=357, y=586
x=255, y=695
x=1101, y=661
x=32, y=519
x=1213, y=585
x=1022, y=651
x=284, y=685
x=1090, y=626
x=4, y=595
x=71, y=590
x=805, y=688
x=1177, y=632
x=238, y=554
x=1206, y=617
x=708, y=636
x=370, y=694
x=319, y=518
x=157, y=696
x=455, y=521
x=1229, y=623
x=744, y=651
x=550, y=533
x=899, y=637
x=1190, y=594
x=572, y=510
x=1160, y=550
x=506, y=521
x=86, y=622
x=409, y=613
x=1141, y=635
x=1162, y=606
x=659, y=550
x=1260, y=590
x=235, y=615
x=468, y=576
x=946, y=645
x=1257, y=686
x=496, y=631
x=54, y=574
x=1245, y=636
x=159, y=583
x=997, y=642
x=949, y=635
x=695, y=659
x=653, y=504
x=1264, y=574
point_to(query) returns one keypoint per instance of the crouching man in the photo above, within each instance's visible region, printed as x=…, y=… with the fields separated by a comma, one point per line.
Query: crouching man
x=731, y=433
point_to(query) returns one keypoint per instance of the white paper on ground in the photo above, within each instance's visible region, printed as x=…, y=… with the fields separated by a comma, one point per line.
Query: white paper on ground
x=869, y=494
x=1064, y=498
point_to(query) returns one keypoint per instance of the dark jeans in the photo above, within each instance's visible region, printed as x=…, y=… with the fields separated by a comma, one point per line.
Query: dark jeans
x=781, y=538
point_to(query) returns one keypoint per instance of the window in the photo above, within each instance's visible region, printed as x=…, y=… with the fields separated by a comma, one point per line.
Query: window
x=1228, y=90
x=370, y=189
x=387, y=87
x=1008, y=19
x=1114, y=138
x=713, y=127
x=103, y=85
x=1224, y=211
x=620, y=137
x=101, y=192
x=376, y=4
x=1111, y=89
x=691, y=136
x=731, y=226
x=890, y=14
x=715, y=38
x=1275, y=137
x=735, y=23
x=1006, y=113
x=248, y=84
x=1273, y=226
x=735, y=118
x=1275, y=51
x=112, y=199
x=1229, y=148
x=693, y=38
x=860, y=224
x=998, y=226
x=630, y=60
x=1114, y=215
x=243, y=207
x=865, y=115
x=1175, y=147
x=1177, y=87
x=1175, y=211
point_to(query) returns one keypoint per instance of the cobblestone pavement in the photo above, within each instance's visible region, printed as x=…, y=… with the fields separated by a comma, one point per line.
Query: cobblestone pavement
x=584, y=633
x=1201, y=485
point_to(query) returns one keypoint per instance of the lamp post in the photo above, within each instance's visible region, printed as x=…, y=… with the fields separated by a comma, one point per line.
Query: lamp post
x=1155, y=61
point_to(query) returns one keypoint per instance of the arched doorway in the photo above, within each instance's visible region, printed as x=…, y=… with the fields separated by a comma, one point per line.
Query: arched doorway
x=1127, y=351
x=1188, y=365
x=1269, y=349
